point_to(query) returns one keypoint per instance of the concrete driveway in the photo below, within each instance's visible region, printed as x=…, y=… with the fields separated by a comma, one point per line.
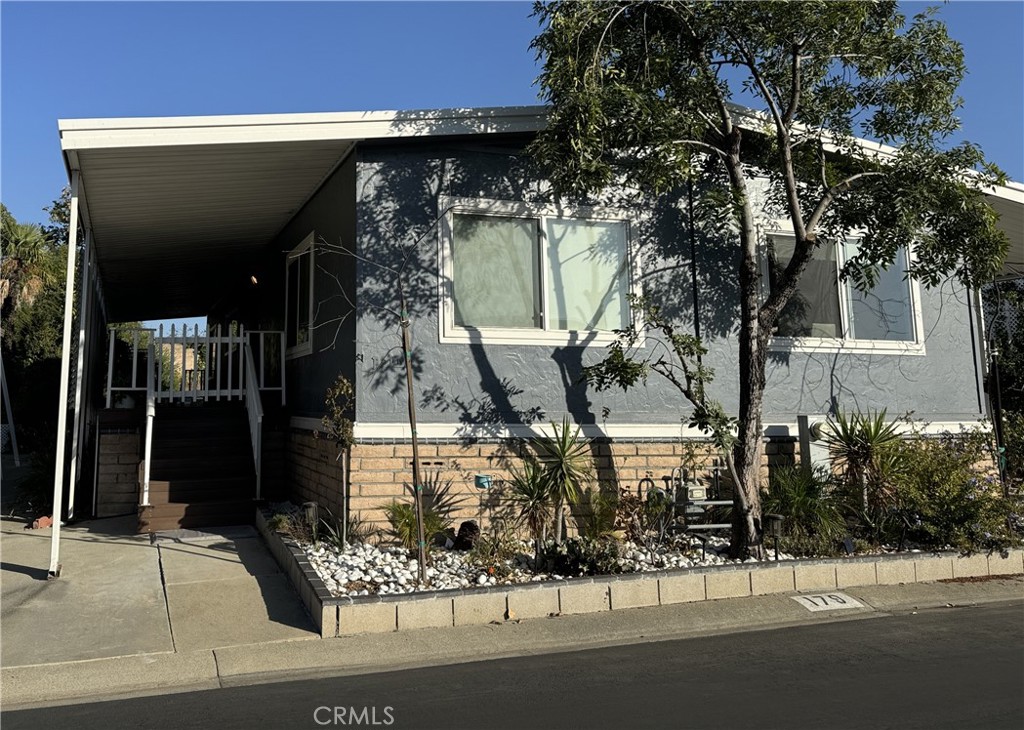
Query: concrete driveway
x=122, y=594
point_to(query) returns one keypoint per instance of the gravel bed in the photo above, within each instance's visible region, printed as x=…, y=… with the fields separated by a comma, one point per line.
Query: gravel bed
x=365, y=569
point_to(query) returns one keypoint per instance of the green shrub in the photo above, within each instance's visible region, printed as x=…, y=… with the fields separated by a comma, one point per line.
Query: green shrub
x=494, y=551
x=643, y=521
x=951, y=497
x=813, y=523
x=1013, y=438
x=595, y=514
x=531, y=501
x=358, y=530
x=582, y=556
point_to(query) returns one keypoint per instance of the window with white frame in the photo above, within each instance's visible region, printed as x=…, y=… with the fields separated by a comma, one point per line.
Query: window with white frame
x=520, y=273
x=299, y=298
x=825, y=310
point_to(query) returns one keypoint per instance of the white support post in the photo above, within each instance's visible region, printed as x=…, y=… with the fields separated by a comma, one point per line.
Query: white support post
x=230, y=363
x=216, y=361
x=65, y=374
x=283, y=360
x=195, y=361
x=242, y=361
x=206, y=364
x=263, y=360
x=83, y=316
x=110, y=365
x=135, y=359
x=172, y=363
x=160, y=363
x=150, y=417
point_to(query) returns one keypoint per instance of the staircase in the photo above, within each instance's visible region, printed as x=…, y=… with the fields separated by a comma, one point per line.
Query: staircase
x=201, y=470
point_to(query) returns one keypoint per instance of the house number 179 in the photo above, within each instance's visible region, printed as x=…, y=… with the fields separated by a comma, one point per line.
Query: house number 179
x=827, y=601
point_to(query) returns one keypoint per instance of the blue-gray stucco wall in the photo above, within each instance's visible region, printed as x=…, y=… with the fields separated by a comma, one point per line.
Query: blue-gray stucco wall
x=397, y=187
x=330, y=214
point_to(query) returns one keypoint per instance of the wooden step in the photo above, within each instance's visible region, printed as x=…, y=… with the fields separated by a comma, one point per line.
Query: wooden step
x=201, y=490
x=222, y=467
x=209, y=514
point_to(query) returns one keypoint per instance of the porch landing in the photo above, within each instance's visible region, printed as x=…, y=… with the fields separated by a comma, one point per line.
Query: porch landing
x=124, y=594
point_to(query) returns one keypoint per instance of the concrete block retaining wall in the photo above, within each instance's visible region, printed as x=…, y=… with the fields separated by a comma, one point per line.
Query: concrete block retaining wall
x=379, y=614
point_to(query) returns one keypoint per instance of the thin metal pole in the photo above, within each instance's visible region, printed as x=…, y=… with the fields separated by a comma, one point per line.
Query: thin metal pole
x=110, y=365
x=83, y=315
x=417, y=484
x=280, y=354
x=65, y=374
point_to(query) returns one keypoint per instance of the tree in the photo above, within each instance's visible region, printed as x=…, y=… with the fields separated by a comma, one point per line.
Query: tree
x=640, y=96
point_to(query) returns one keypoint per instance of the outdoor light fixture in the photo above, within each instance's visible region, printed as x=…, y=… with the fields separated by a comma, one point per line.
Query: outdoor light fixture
x=254, y=280
x=774, y=528
x=482, y=481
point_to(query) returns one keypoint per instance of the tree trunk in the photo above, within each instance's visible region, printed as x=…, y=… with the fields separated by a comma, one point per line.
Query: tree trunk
x=746, y=522
x=558, y=521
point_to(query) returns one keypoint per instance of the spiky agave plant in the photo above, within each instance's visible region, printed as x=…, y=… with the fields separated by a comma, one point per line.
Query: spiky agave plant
x=530, y=497
x=567, y=466
x=861, y=445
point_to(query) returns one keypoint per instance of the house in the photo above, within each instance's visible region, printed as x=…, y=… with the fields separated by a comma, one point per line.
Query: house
x=291, y=234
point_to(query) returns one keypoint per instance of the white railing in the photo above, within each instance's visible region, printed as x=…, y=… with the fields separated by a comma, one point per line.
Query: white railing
x=150, y=417
x=254, y=406
x=188, y=365
x=191, y=365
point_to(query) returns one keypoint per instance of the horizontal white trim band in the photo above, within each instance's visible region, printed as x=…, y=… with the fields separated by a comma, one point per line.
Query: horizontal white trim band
x=619, y=431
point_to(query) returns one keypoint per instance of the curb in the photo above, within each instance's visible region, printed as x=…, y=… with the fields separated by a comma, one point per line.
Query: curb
x=352, y=615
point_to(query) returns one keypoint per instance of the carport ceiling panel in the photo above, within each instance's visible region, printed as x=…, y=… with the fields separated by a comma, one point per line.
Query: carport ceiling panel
x=185, y=196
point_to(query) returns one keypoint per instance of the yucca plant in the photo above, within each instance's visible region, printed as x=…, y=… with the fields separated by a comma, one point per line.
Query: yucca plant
x=566, y=461
x=862, y=446
x=531, y=500
x=437, y=494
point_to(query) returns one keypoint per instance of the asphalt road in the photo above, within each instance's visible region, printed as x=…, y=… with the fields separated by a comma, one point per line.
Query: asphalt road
x=943, y=668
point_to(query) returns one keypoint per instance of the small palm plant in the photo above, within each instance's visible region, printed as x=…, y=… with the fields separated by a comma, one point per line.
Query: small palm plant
x=805, y=498
x=531, y=499
x=566, y=461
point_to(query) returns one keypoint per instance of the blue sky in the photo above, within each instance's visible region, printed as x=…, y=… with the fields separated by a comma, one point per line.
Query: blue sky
x=66, y=60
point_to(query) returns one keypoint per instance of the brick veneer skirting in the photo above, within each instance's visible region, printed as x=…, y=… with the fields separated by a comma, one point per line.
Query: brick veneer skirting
x=379, y=471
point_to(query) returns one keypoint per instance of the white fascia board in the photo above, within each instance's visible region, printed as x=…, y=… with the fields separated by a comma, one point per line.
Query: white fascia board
x=79, y=134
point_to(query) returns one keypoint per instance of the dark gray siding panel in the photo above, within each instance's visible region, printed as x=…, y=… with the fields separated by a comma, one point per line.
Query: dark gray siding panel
x=398, y=189
x=331, y=214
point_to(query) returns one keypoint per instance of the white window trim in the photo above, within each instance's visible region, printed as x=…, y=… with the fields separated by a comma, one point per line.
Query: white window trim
x=450, y=333
x=845, y=344
x=306, y=245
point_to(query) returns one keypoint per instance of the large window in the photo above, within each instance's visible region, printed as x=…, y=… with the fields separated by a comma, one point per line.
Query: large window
x=299, y=298
x=826, y=311
x=520, y=274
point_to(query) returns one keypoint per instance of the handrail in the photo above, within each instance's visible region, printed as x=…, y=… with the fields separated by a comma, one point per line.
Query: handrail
x=254, y=406
x=150, y=417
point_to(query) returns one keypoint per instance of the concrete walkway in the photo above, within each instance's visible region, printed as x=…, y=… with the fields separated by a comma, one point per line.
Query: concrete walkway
x=122, y=594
